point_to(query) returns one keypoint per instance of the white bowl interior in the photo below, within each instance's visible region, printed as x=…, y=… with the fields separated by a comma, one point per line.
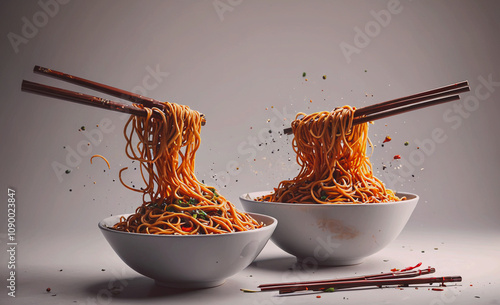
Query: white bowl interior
x=334, y=234
x=196, y=261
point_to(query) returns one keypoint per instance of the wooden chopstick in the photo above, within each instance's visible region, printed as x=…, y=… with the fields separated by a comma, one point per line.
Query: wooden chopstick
x=93, y=100
x=379, y=276
x=81, y=98
x=408, y=103
x=419, y=97
x=113, y=91
x=378, y=283
x=385, y=114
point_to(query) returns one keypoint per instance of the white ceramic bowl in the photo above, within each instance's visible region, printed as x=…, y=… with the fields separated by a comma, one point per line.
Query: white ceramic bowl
x=334, y=234
x=197, y=261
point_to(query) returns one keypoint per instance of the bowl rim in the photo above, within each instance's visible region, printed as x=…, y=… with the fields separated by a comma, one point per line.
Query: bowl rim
x=104, y=227
x=247, y=198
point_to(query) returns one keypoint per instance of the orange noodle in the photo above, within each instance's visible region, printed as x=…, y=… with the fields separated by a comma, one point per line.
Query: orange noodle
x=174, y=201
x=335, y=167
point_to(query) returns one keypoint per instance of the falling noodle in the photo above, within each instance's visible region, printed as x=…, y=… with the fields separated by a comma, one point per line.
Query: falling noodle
x=174, y=201
x=335, y=167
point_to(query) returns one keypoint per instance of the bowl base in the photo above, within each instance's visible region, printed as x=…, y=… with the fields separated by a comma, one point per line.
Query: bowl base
x=331, y=262
x=190, y=285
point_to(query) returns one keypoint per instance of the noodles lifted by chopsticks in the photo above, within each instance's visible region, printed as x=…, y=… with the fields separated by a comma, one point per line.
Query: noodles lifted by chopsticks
x=174, y=201
x=334, y=165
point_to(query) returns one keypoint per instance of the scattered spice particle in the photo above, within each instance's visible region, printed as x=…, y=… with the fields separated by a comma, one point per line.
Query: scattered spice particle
x=407, y=143
x=366, y=71
x=324, y=77
x=396, y=157
x=82, y=128
x=48, y=289
x=304, y=74
x=437, y=289
x=68, y=171
x=310, y=101
x=306, y=79
x=477, y=297
x=318, y=297
x=70, y=190
x=387, y=139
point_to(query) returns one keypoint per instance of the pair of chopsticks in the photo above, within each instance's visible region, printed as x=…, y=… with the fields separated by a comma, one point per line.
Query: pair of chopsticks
x=400, y=278
x=408, y=103
x=90, y=100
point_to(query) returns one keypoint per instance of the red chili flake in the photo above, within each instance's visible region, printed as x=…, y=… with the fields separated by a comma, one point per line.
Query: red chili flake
x=396, y=157
x=437, y=289
x=387, y=139
x=48, y=289
x=394, y=269
x=410, y=268
x=187, y=229
x=318, y=297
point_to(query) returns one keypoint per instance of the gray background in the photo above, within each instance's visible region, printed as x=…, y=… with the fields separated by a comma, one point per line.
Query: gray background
x=241, y=63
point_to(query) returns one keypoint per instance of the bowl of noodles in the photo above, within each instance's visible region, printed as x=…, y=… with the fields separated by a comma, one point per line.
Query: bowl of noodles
x=185, y=234
x=188, y=261
x=333, y=234
x=335, y=211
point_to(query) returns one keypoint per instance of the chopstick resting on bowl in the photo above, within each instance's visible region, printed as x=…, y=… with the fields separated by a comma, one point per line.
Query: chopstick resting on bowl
x=408, y=103
x=90, y=100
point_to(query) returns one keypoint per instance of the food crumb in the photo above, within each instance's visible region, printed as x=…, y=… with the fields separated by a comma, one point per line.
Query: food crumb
x=48, y=289
x=318, y=297
x=304, y=74
x=324, y=76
